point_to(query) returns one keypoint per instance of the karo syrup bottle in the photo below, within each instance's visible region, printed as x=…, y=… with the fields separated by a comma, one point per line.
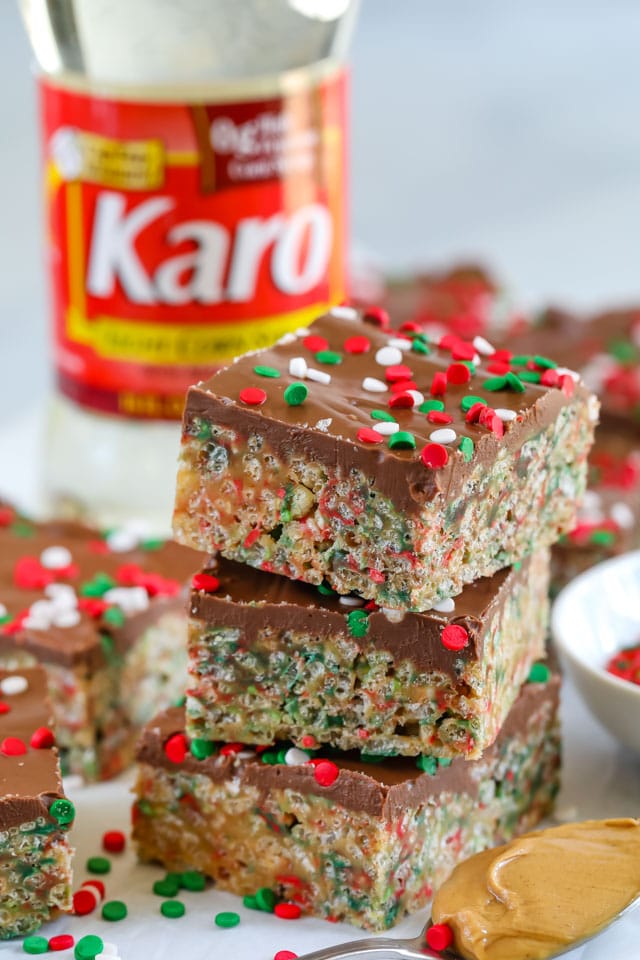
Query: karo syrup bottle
x=195, y=181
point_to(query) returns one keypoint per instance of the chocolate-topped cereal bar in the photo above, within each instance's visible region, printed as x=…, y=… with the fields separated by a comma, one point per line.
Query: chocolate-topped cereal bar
x=105, y=615
x=271, y=658
x=35, y=816
x=382, y=464
x=329, y=834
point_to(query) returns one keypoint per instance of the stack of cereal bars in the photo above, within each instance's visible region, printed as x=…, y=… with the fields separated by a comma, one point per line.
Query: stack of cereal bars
x=367, y=701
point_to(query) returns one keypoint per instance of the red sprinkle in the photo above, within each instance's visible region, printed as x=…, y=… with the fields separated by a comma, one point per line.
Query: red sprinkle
x=367, y=435
x=315, y=343
x=230, y=748
x=439, y=936
x=458, y=373
x=401, y=400
x=97, y=884
x=357, y=345
x=377, y=576
x=439, y=384
x=285, y=955
x=64, y=941
x=463, y=351
x=397, y=371
x=568, y=385
x=84, y=901
x=326, y=773
x=254, y=396
x=550, y=378
x=287, y=911
x=206, y=582
x=113, y=841
x=251, y=537
x=473, y=413
x=502, y=356
x=308, y=741
x=29, y=574
x=454, y=637
x=499, y=367
x=439, y=416
x=42, y=738
x=13, y=747
x=434, y=455
x=378, y=316
x=401, y=385
x=7, y=516
x=449, y=341
x=176, y=748
x=4, y=707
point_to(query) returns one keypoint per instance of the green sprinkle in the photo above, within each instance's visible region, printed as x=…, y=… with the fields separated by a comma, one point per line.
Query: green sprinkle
x=5, y=619
x=295, y=394
x=329, y=356
x=428, y=405
x=539, y=673
x=281, y=754
x=266, y=371
x=109, y=651
x=602, y=538
x=358, y=623
x=166, y=888
x=466, y=448
x=35, y=944
x=227, y=919
x=530, y=376
x=269, y=756
x=383, y=415
x=514, y=381
x=444, y=761
x=98, y=586
x=622, y=350
x=88, y=947
x=201, y=749
x=152, y=544
x=22, y=529
x=419, y=346
x=193, y=880
x=495, y=383
x=544, y=362
x=180, y=702
x=63, y=811
x=249, y=901
x=521, y=360
x=470, y=364
x=113, y=616
x=98, y=865
x=266, y=899
x=172, y=909
x=326, y=590
x=467, y=402
x=114, y=910
x=427, y=765
x=402, y=440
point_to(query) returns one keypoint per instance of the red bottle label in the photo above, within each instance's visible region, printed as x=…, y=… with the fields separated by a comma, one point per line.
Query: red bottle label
x=183, y=235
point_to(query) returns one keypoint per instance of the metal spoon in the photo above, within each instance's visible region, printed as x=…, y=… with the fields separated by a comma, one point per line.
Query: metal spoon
x=385, y=948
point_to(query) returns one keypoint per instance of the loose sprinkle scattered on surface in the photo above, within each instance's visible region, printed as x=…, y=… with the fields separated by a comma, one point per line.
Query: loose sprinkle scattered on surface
x=63, y=941
x=266, y=898
x=287, y=911
x=193, y=880
x=167, y=887
x=35, y=945
x=227, y=919
x=114, y=841
x=285, y=955
x=98, y=865
x=84, y=901
x=88, y=947
x=114, y=910
x=172, y=909
x=439, y=936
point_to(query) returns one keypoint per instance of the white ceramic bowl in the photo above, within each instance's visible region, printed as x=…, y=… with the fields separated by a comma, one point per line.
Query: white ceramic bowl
x=595, y=616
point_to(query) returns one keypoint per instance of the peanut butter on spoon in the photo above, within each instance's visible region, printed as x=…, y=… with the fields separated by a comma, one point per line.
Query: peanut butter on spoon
x=544, y=891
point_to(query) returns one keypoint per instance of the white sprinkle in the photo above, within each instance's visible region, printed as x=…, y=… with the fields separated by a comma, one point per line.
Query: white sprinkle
x=344, y=313
x=3, y=610
x=622, y=514
x=351, y=601
x=392, y=615
x=445, y=606
x=418, y=397
x=244, y=755
x=388, y=356
x=110, y=949
x=119, y=541
x=483, y=346
x=287, y=338
x=295, y=757
x=36, y=623
x=11, y=686
x=506, y=415
x=298, y=367
x=402, y=343
x=319, y=376
x=129, y=599
x=66, y=618
x=386, y=427
x=59, y=592
x=324, y=424
x=444, y=435
x=593, y=408
x=591, y=500
x=55, y=558
x=42, y=608
x=374, y=386
x=302, y=332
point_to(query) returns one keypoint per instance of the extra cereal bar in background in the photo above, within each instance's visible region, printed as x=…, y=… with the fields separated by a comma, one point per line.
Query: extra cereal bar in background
x=105, y=615
x=35, y=816
x=271, y=659
x=382, y=464
x=329, y=834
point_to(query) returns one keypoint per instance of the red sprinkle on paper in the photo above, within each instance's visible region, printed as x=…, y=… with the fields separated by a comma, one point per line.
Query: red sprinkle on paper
x=378, y=316
x=367, y=435
x=113, y=841
x=175, y=749
x=397, y=371
x=42, y=738
x=285, y=955
x=287, y=911
x=357, y=345
x=458, y=373
x=254, y=396
x=63, y=941
x=13, y=747
x=315, y=343
x=84, y=901
x=326, y=773
x=439, y=384
x=434, y=455
x=439, y=416
x=97, y=885
x=454, y=637
x=439, y=936
x=206, y=582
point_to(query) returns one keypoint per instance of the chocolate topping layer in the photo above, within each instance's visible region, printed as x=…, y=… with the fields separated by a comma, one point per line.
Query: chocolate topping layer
x=251, y=599
x=91, y=555
x=378, y=790
x=30, y=782
x=324, y=426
